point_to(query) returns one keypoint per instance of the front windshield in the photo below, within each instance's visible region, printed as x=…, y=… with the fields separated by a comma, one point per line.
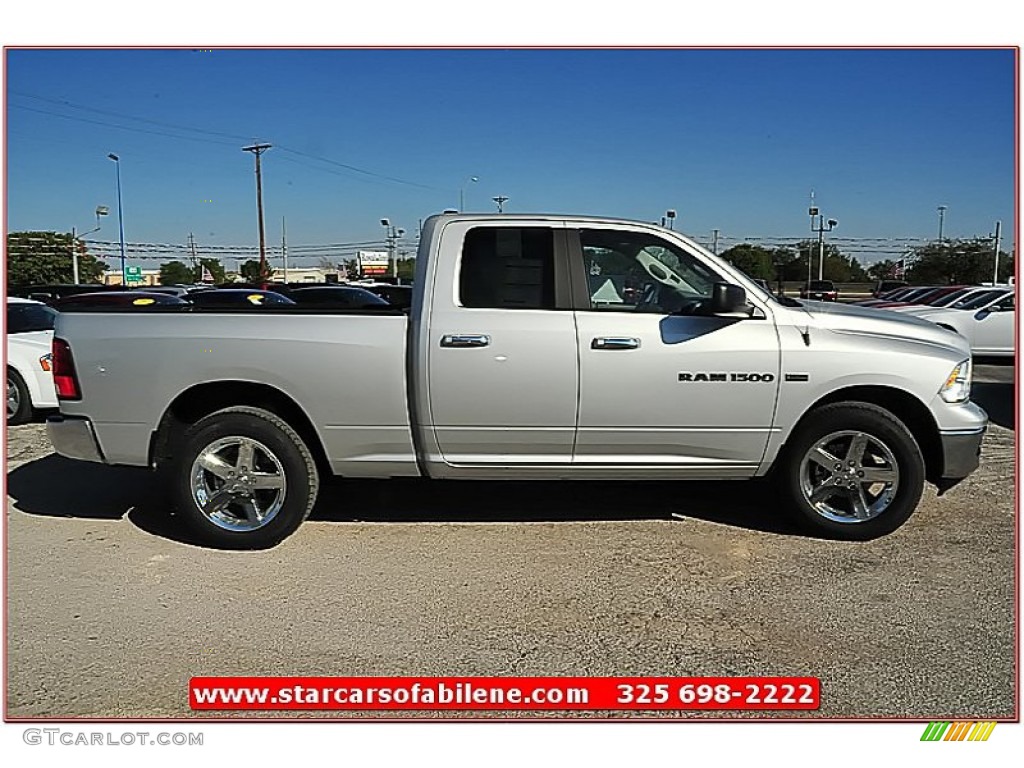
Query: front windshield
x=949, y=298
x=976, y=302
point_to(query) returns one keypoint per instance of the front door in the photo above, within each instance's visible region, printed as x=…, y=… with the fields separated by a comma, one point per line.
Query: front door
x=663, y=386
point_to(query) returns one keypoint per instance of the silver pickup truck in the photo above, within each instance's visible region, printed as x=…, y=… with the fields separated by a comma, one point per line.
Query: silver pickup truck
x=537, y=347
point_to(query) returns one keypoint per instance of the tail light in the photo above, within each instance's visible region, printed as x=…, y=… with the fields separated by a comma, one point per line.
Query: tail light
x=64, y=376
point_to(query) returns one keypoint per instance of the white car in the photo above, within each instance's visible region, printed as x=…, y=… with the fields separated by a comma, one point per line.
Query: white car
x=987, y=319
x=29, y=378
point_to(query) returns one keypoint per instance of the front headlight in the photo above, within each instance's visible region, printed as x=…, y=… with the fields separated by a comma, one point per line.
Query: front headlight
x=957, y=388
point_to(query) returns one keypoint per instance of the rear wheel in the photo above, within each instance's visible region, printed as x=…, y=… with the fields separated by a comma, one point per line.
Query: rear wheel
x=852, y=471
x=243, y=478
x=19, y=401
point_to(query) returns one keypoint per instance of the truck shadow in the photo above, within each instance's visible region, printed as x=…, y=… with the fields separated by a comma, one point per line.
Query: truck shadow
x=57, y=487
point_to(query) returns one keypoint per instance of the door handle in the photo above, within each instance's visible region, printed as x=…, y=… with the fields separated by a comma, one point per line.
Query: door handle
x=465, y=340
x=615, y=342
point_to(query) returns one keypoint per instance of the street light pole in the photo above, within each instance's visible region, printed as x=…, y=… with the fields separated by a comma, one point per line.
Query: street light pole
x=392, y=235
x=942, y=218
x=120, y=218
x=821, y=230
x=101, y=210
x=462, y=192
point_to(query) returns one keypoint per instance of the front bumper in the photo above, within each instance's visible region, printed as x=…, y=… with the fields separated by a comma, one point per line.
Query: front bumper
x=74, y=438
x=961, y=453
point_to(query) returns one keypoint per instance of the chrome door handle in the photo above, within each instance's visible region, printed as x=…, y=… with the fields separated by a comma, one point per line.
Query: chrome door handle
x=615, y=342
x=465, y=340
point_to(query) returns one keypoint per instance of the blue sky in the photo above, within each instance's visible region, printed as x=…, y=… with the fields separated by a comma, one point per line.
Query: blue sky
x=733, y=140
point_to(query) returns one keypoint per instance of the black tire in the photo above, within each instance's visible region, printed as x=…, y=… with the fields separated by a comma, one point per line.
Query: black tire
x=278, y=476
x=838, y=501
x=19, y=400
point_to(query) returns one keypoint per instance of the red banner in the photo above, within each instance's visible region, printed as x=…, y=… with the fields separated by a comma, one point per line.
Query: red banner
x=503, y=693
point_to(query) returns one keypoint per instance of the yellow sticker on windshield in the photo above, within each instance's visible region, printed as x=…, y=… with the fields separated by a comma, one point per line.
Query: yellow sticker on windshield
x=255, y=298
x=143, y=302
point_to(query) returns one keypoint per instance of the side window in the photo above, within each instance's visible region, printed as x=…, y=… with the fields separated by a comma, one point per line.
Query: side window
x=508, y=268
x=637, y=272
x=1006, y=305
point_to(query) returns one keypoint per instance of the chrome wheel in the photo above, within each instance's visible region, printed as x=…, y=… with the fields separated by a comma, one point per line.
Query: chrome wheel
x=238, y=483
x=849, y=477
x=13, y=398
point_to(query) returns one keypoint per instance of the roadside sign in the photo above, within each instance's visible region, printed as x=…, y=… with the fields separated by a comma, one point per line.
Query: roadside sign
x=133, y=274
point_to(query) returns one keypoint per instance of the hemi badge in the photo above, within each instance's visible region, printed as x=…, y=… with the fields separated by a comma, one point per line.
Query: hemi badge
x=797, y=377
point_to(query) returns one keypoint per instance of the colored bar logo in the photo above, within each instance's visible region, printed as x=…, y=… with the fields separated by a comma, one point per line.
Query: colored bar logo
x=958, y=731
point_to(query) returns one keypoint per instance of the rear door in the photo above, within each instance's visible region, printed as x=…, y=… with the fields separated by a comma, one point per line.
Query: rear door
x=993, y=328
x=502, y=364
x=663, y=387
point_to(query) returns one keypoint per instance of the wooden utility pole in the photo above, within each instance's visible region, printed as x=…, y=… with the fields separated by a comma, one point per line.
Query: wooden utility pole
x=257, y=150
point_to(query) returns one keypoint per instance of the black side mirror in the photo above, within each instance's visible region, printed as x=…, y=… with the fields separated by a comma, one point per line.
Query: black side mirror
x=727, y=299
x=981, y=314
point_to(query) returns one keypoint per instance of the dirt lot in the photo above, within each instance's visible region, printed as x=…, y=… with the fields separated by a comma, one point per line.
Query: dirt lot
x=111, y=610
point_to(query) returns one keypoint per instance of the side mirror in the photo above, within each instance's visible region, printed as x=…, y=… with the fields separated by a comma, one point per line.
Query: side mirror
x=727, y=299
x=981, y=314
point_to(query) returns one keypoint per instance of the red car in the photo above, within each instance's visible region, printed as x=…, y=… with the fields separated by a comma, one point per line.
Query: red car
x=820, y=290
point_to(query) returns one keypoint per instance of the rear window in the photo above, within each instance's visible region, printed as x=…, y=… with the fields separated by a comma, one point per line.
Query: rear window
x=25, y=318
x=822, y=285
x=508, y=268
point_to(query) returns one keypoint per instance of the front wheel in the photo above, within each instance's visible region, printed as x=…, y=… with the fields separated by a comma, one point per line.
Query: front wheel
x=243, y=478
x=852, y=471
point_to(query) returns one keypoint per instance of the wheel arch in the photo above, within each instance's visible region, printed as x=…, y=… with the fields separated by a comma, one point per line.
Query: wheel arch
x=200, y=400
x=903, y=405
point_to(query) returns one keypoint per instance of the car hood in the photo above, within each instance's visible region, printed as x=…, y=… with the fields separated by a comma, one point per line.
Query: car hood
x=845, y=318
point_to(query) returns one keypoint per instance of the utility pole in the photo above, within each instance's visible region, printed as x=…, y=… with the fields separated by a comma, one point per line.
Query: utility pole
x=714, y=243
x=257, y=150
x=995, y=272
x=284, y=249
x=192, y=250
x=500, y=200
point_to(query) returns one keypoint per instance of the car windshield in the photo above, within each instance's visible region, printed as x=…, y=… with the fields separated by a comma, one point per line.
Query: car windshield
x=949, y=298
x=25, y=318
x=821, y=285
x=979, y=300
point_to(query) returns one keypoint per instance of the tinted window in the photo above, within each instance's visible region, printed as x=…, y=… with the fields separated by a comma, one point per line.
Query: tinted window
x=508, y=268
x=23, y=318
x=821, y=285
x=978, y=300
x=338, y=297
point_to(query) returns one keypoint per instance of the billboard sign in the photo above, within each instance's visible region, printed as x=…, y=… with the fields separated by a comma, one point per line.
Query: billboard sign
x=373, y=263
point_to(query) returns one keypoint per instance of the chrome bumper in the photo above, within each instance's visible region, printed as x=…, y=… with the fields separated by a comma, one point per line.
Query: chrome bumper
x=74, y=438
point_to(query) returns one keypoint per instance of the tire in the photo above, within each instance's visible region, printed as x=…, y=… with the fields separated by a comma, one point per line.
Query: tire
x=869, y=498
x=242, y=478
x=19, y=400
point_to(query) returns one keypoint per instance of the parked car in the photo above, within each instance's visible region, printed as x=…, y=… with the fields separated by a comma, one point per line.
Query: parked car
x=891, y=296
x=987, y=320
x=51, y=292
x=819, y=290
x=945, y=300
x=337, y=296
x=511, y=368
x=921, y=297
x=134, y=299
x=235, y=298
x=29, y=370
x=883, y=287
x=396, y=295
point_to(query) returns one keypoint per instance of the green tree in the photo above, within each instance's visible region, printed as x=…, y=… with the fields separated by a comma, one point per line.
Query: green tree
x=837, y=268
x=883, y=270
x=176, y=273
x=958, y=262
x=45, y=257
x=250, y=271
x=754, y=260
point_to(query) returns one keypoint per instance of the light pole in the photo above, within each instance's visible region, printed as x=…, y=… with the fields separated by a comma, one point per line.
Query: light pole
x=120, y=218
x=392, y=236
x=821, y=230
x=101, y=210
x=671, y=214
x=942, y=218
x=462, y=192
